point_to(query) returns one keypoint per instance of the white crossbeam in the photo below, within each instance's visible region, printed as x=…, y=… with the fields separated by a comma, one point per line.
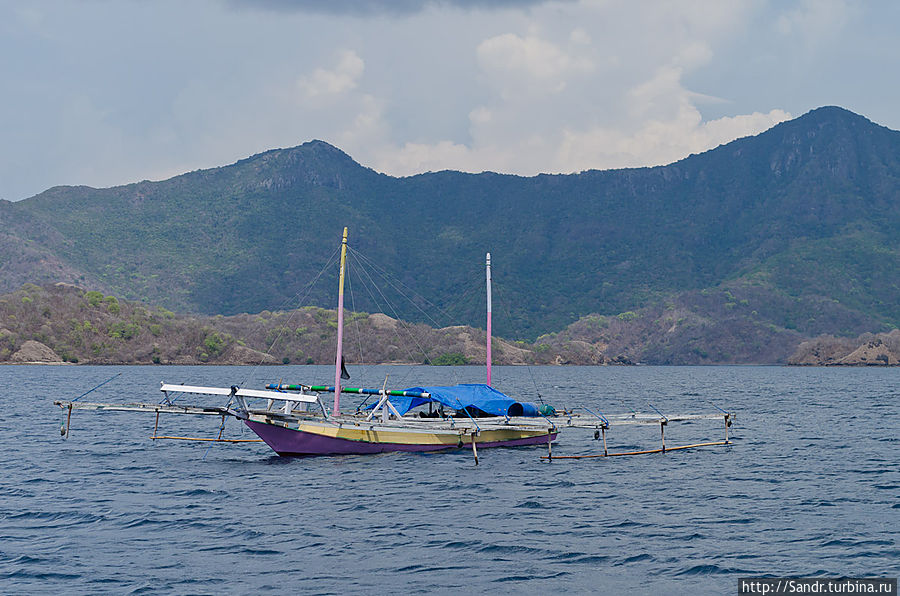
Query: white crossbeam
x=168, y=388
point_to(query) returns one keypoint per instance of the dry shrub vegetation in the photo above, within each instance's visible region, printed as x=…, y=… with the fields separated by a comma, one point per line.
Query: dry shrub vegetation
x=869, y=349
x=88, y=327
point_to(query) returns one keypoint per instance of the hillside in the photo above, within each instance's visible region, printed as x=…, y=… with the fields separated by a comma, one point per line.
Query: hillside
x=800, y=222
x=64, y=323
x=868, y=349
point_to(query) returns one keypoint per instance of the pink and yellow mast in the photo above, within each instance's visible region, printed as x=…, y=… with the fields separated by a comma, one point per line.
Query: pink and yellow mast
x=488, y=274
x=340, y=330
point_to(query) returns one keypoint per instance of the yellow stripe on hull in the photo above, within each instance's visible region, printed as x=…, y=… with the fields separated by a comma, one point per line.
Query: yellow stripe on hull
x=416, y=437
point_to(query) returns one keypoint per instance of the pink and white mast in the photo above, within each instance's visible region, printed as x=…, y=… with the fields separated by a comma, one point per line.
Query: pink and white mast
x=488, y=274
x=340, y=330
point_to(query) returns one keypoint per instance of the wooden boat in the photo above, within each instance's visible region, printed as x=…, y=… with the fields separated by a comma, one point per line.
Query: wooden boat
x=505, y=422
x=296, y=422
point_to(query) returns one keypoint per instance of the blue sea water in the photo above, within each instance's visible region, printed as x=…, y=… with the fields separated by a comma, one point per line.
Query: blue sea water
x=811, y=486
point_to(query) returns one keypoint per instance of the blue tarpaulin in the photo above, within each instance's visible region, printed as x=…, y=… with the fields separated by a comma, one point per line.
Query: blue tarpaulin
x=480, y=396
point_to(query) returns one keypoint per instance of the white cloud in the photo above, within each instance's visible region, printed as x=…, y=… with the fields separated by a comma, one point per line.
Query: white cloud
x=579, y=37
x=480, y=116
x=657, y=142
x=414, y=158
x=528, y=64
x=530, y=56
x=568, y=100
x=344, y=77
x=660, y=97
x=366, y=128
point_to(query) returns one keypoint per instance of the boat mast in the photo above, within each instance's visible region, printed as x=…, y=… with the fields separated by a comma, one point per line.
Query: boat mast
x=488, y=274
x=340, y=330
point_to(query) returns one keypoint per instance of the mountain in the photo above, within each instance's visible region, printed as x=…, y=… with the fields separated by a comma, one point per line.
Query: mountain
x=797, y=224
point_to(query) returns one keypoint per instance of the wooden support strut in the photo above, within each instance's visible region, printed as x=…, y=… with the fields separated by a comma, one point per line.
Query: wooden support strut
x=474, y=449
x=155, y=426
x=68, y=421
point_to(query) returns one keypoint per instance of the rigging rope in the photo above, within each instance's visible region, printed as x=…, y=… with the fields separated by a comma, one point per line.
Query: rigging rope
x=393, y=310
x=356, y=325
x=505, y=307
x=294, y=311
x=97, y=387
x=399, y=287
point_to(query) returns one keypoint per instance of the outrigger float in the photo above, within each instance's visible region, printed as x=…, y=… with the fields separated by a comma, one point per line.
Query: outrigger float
x=294, y=421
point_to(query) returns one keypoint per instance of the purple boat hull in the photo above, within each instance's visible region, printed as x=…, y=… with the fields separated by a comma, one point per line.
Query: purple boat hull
x=289, y=442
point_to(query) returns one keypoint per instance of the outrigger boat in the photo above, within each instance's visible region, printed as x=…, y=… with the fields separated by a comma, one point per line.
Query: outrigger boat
x=296, y=422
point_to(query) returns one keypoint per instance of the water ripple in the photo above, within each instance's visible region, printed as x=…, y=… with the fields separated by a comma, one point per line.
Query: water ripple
x=109, y=511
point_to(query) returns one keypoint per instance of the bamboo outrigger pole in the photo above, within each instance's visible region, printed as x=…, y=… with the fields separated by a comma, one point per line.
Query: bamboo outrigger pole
x=340, y=330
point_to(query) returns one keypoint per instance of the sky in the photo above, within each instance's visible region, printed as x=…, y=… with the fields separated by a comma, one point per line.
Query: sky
x=102, y=93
